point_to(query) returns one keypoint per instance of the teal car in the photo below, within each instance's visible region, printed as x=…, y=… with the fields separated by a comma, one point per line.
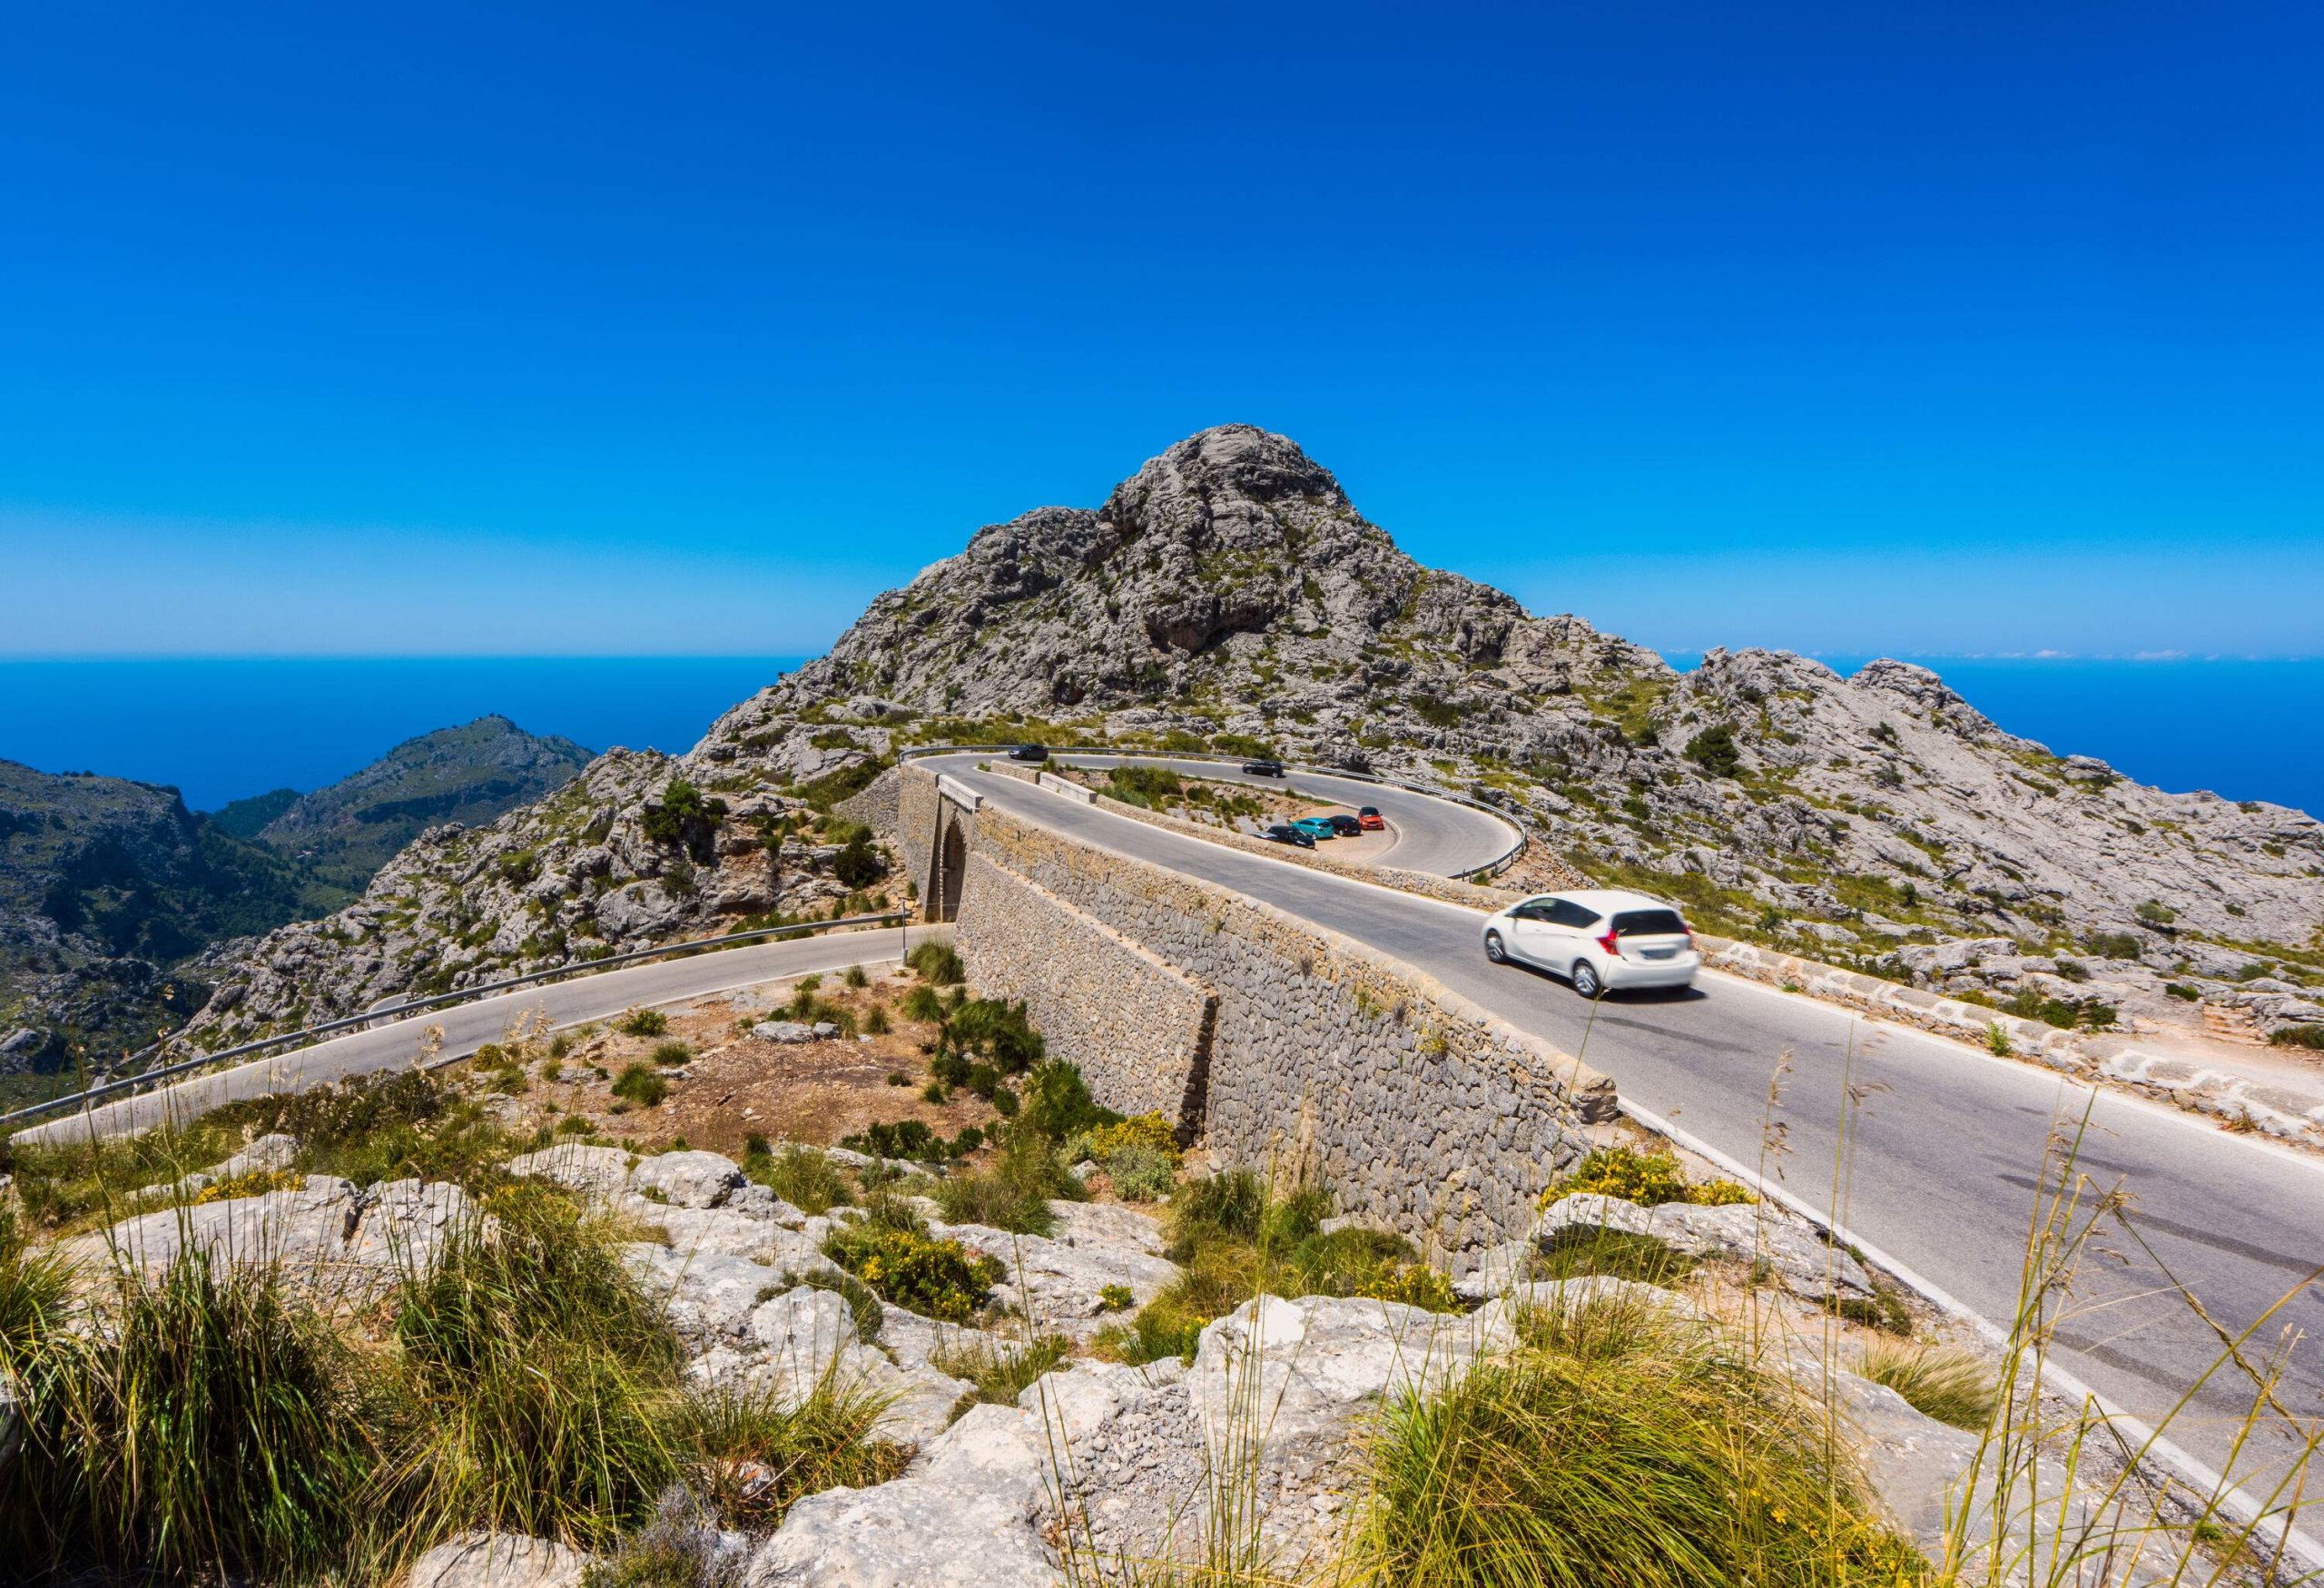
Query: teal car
x=1316, y=827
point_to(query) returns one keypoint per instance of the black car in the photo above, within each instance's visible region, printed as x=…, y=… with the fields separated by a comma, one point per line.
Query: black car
x=1284, y=832
x=1030, y=753
x=1264, y=768
x=1345, y=827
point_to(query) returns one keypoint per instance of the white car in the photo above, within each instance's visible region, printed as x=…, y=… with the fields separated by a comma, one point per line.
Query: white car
x=1599, y=939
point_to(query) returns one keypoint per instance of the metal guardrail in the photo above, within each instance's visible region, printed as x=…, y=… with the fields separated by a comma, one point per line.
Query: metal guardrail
x=1491, y=868
x=128, y=1084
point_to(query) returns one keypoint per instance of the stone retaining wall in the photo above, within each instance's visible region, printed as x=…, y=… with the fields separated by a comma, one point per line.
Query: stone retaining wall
x=1425, y=1112
x=1139, y=1029
x=2280, y=1112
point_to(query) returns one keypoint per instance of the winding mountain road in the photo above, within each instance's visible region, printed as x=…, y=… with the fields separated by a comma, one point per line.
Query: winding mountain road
x=1926, y=1148
x=1935, y=1162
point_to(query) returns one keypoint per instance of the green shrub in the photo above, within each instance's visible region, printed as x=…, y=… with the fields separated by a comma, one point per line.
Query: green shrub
x=1058, y=1104
x=671, y=1053
x=1646, y=1179
x=1012, y=1191
x=1114, y=1297
x=936, y=964
x=1140, y=1173
x=936, y=1278
x=875, y=1022
x=643, y=1022
x=2180, y=990
x=2309, y=1036
x=921, y=1004
x=2155, y=912
x=858, y=864
x=855, y=977
x=1714, y=750
x=639, y=1084
x=800, y=1175
x=997, y=1033
x=683, y=815
x=909, y=1139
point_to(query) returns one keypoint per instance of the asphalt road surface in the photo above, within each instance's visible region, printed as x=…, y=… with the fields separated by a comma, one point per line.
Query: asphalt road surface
x=1927, y=1149
x=1432, y=836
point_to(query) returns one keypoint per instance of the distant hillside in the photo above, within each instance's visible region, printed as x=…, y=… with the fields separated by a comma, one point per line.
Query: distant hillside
x=471, y=775
x=110, y=891
x=103, y=884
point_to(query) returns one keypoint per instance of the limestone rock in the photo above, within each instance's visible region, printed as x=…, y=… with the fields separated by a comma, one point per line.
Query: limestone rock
x=959, y=1517
x=596, y=1171
x=687, y=1179
x=1059, y=1281
x=500, y=1560
x=783, y=1030
x=338, y=1244
x=1746, y=1232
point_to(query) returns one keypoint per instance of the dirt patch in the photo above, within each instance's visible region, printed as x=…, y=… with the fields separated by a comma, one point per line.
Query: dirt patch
x=735, y=1085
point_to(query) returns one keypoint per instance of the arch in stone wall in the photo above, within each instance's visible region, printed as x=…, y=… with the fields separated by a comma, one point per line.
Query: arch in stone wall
x=950, y=864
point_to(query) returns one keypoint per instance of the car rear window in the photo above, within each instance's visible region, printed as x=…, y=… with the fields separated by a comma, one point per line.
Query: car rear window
x=1650, y=923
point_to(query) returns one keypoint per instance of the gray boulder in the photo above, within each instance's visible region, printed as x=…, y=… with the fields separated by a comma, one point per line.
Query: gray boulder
x=687, y=1179
x=334, y=1241
x=1058, y=1280
x=1747, y=1232
x=596, y=1171
x=500, y=1560
x=783, y=1030
x=961, y=1517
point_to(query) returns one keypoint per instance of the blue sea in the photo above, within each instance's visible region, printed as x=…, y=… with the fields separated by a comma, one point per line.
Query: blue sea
x=221, y=729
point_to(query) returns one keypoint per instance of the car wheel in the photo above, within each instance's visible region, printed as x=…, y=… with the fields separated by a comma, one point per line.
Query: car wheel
x=1493, y=949
x=1585, y=978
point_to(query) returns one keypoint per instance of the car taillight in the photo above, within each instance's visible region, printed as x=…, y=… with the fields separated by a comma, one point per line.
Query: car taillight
x=1611, y=943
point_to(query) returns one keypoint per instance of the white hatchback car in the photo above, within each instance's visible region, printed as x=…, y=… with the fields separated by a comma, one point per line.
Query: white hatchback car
x=1599, y=939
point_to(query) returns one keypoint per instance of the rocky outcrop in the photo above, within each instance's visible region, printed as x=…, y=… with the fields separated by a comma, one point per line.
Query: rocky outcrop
x=339, y=1243
x=500, y=1560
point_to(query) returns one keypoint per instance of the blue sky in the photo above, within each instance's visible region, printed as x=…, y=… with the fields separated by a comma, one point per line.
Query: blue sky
x=679, y=329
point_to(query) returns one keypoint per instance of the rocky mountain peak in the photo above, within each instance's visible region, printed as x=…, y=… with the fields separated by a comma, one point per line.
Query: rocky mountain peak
x=1220, y=484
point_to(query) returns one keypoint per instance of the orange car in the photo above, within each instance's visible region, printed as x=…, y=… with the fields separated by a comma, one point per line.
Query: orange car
x=1369, y=819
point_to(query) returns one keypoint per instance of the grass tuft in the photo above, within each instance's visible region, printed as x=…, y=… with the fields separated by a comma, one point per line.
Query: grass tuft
x=1944, y=1382
x=1654, y=1456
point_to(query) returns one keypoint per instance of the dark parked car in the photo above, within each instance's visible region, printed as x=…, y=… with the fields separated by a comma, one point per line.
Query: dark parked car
x=1030, y=753
x=1345, y=827
x=1284, y=832
x=1264, y=768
